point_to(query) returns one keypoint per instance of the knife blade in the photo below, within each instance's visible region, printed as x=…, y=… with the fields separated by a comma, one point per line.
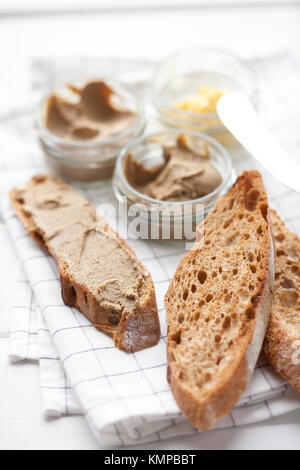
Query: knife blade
x=240, y=118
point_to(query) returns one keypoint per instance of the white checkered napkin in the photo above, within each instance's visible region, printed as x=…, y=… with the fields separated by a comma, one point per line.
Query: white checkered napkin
x=30, y=340
x=23, y=343
x=125, y=397
x=56, y=393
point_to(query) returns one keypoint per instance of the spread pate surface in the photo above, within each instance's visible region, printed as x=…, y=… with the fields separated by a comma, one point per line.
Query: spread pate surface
x=85, y=245
x=184, y=175
x=94, y=112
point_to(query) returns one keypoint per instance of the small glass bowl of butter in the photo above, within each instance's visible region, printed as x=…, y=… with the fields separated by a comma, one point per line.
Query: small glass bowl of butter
x=169, y=181
x=185, y=88
x=82, y=127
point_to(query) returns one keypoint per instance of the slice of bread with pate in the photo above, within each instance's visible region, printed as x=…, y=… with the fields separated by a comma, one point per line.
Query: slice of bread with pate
x=100, y=275
x=218, y=304
x=282, y=343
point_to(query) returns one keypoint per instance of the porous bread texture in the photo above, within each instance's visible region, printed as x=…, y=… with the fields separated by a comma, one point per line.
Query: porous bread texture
x=218, y=304
x=99, y=273
x=282, y=342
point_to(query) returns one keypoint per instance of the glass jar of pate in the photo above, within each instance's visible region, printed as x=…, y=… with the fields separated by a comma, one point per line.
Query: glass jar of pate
x=161, y=219
x=87, y=160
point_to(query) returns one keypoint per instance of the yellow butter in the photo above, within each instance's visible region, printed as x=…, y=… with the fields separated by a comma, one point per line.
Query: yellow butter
x=205, y=101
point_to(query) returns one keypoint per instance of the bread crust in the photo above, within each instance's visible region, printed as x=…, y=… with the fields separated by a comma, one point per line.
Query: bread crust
x=203, y=411
x=282, y=341
x=138, y=328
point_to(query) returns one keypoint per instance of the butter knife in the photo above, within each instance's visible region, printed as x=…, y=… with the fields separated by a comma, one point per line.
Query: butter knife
x=240, y=118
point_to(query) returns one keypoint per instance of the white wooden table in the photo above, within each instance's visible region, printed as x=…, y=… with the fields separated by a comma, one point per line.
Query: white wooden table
x=153, y=34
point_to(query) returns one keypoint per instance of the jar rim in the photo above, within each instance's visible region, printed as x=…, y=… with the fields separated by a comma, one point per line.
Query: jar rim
x=119, y=171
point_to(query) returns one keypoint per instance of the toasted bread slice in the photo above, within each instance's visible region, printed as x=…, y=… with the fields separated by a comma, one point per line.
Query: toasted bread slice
x=282, y=342
x=100, y=275
x=218, y=304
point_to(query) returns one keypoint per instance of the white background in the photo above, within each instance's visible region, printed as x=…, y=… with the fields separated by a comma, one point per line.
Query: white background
x=152, y=33
x=15, y=6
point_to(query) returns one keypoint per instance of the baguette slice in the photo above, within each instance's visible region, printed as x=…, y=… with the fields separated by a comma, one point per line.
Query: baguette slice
x=100, y=275
x=218, y=304
x=282, y=342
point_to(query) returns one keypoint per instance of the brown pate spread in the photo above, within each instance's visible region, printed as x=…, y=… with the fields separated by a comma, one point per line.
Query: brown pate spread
x=184, y=175
x=95, y=112
x=86, y=246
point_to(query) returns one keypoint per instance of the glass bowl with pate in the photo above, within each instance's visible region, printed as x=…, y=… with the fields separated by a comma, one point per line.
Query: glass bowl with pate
x=186, y=87
x=169, y=181
x=82, y=127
